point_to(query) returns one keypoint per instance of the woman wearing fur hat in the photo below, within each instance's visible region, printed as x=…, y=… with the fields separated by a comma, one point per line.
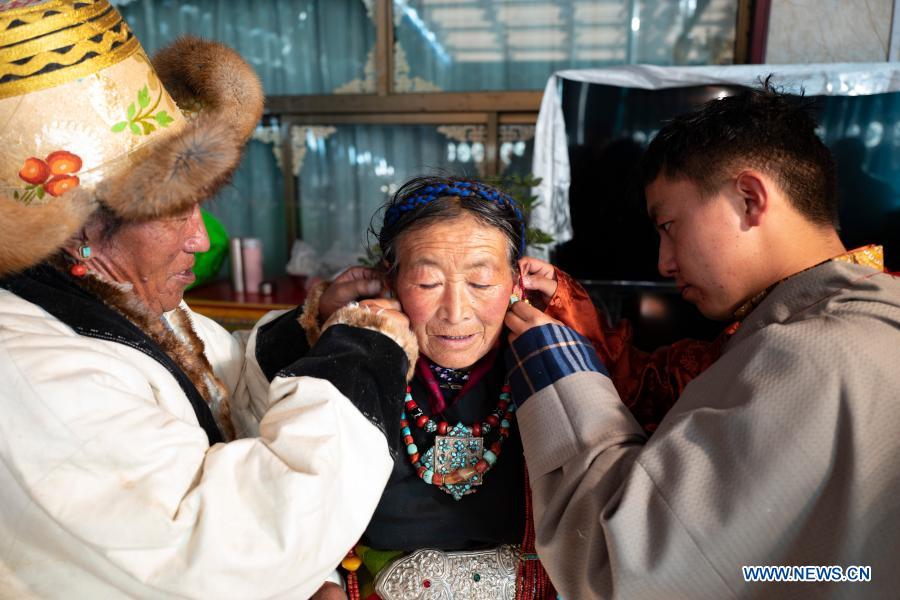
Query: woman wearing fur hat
x=145, y=452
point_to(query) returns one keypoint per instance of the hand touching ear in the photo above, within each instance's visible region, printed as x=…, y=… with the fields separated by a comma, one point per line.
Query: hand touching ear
x=354, y=284
x=538, y=277
x=522, y=316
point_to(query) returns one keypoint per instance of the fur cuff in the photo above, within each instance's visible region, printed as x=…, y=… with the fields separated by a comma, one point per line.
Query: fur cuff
x=309, y=318
x=360, y=316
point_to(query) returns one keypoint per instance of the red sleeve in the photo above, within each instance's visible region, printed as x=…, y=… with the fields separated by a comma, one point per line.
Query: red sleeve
x=649, y=383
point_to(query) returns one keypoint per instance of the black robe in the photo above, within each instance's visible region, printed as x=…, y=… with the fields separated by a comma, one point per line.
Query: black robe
x=413, y=515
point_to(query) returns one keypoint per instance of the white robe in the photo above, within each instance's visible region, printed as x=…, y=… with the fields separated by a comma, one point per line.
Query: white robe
x=108, y=486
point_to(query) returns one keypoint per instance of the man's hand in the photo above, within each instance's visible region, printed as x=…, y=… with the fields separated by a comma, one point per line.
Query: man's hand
x=389, y=308
x=521, y=317
x=538, y=276
x=329, y=591
x=353, y=284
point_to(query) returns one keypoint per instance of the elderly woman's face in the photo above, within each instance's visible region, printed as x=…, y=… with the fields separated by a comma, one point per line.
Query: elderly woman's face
x=156, y=257
x=454, y=282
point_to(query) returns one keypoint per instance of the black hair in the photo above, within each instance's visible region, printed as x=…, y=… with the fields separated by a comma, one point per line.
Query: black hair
x=110, y=222
x=501, y=215
x=763, y=128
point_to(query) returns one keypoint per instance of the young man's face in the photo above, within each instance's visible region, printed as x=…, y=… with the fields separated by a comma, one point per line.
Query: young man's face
x=702, y=244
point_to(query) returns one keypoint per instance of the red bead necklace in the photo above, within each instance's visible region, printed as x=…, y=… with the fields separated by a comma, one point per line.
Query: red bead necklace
x=495, y=418
x=500, y=418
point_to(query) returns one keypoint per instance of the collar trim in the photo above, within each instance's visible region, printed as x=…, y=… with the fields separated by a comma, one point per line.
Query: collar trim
x=867, y=256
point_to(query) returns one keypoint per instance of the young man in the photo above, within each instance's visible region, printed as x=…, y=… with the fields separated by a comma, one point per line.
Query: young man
x=783, y=452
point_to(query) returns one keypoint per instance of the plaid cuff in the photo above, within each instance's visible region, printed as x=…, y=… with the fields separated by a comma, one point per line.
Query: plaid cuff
x=543, y=355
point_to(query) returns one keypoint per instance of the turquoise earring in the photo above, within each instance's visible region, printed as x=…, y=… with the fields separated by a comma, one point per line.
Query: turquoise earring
x=78, y=269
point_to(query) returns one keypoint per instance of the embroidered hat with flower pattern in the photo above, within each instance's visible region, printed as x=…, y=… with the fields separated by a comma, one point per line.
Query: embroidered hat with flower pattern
x=88, y=119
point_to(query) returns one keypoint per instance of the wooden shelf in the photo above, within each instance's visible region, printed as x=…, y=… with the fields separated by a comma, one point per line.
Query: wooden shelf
x=235, y=311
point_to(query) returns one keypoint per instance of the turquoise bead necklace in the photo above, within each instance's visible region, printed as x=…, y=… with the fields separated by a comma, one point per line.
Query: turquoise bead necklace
x=458, y=460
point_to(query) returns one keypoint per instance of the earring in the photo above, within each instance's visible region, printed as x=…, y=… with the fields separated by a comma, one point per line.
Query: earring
x=521, y=295
x=79, y=269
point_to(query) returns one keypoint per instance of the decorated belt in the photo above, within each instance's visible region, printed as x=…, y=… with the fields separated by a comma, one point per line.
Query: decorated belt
x=432, y=575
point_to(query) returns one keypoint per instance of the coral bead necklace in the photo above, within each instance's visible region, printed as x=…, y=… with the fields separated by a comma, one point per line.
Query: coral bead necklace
x=458, y=459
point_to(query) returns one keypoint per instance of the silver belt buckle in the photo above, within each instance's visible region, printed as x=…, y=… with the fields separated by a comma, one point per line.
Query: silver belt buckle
x=433, y=574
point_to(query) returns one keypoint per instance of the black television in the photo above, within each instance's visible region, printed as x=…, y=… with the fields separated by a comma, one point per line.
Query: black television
x=609, y=117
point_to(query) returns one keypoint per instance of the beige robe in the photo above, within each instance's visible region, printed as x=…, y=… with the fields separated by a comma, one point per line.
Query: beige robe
x=785, y=452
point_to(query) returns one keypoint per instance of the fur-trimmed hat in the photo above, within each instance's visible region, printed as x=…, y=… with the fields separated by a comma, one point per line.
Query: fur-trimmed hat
x=87, y=119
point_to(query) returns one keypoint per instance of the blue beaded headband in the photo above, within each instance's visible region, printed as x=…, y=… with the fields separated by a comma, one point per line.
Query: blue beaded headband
x=462, y=189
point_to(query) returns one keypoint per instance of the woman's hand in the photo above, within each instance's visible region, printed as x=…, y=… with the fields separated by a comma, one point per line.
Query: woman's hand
x=538, y=276
x=522, y=316
x=351, y=285
x=388, y=308
x=329, y=591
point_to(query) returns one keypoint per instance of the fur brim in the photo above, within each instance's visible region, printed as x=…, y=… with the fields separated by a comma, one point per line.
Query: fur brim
x=360, y=316
x=171, y=174
x=190, y=166
x=30, y=234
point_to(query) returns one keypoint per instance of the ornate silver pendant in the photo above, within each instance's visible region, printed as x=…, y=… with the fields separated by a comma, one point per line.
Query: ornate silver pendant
x=456, y=450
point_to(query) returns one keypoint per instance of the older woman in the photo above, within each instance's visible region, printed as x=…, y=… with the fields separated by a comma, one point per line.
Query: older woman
x=455, y=509
x=458, y=488
x=120, y=471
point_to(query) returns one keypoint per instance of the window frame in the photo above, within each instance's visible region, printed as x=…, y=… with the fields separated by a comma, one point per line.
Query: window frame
x=489, y=108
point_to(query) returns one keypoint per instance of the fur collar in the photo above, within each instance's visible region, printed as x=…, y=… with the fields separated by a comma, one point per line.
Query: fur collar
x=175, y=335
